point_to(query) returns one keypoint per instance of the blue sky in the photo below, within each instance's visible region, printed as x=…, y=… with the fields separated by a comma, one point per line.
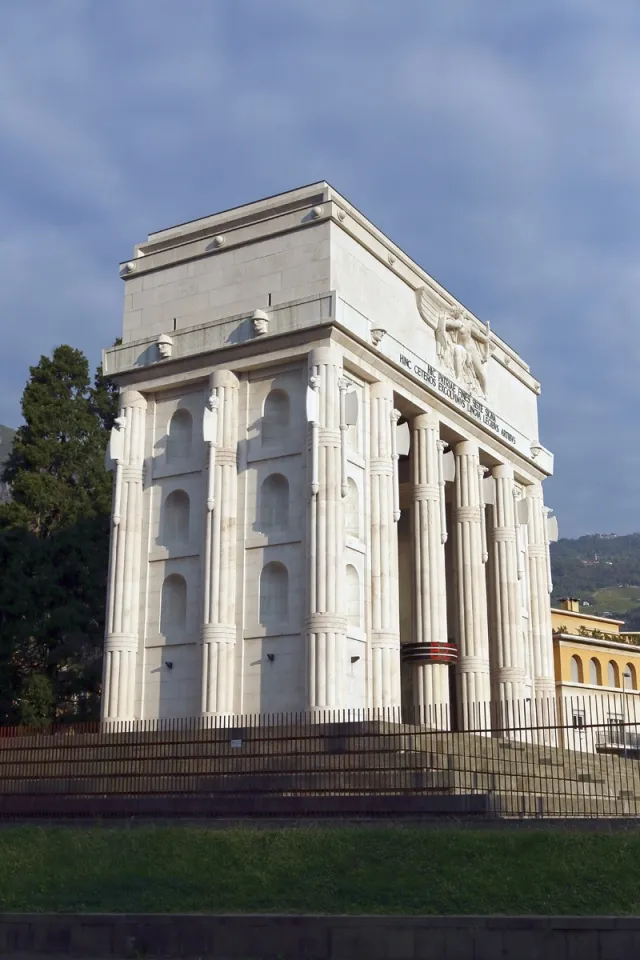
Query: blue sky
x=497, y=142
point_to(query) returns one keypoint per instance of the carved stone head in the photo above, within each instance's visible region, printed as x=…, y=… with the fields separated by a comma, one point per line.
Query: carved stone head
x=260, y=321
x=165, y=346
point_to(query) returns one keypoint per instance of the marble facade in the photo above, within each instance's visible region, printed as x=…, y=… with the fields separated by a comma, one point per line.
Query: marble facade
x=328, y=480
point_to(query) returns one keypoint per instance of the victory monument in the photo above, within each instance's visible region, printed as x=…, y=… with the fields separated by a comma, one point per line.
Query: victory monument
x=328, y=480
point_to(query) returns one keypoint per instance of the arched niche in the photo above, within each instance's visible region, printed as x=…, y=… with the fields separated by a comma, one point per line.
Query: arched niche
x=595, y=672
x=352, y=509
x=274, y=594
x=276, y=416
x=179, y=436
x=173, y=607
x=174, y=524
x=613, y=674
x=630, y=682
x=353, y=596
x=273, y=514
x=577, y=675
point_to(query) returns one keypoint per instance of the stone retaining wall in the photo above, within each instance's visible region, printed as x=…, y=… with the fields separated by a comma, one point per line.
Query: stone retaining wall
x=251, y=937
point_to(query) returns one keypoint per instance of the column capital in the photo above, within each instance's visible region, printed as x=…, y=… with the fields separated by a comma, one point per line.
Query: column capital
x=330, y=354
x=534, y=490
x=429, y=420
x=467, y=448
x=131, y=398
x=503, y=471
x=223, y=378
x=381, y=390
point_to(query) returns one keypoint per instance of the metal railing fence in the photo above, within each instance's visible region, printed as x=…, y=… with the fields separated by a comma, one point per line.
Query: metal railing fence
x=569, y=757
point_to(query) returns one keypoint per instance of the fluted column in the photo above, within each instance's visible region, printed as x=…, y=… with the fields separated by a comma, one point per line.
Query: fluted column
x=508, y=642
x=474, y=690
x=326, y=621
x=429, y=652
x=540, y=603
x=385, y=614
x=123, y=602
x=218, y=632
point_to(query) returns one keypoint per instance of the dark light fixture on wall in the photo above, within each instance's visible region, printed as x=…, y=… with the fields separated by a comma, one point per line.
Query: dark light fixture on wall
x=354, y=659
x=271, y=657
x=169, y=664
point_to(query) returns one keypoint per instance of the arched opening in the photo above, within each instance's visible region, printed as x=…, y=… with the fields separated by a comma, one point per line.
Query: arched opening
x=576, y=670
x=353, y=596
x=173, y=607
x=276, y=416
x=352, y=509
x=274, y=503
x=630, y=677
x=179, y=436
x=613, y=674
x=274, y=593
x=175, y=518
x=595, y=672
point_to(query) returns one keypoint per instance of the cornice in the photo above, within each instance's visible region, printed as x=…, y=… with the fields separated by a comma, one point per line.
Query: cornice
x=570, y=639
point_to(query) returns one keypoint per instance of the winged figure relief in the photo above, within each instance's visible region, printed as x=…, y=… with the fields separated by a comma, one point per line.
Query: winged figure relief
x=462, y=343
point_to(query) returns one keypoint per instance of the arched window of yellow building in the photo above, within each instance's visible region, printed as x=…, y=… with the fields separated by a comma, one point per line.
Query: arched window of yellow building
x=595, y=673
x=630, y=677
x=577, y=675
x=613, y=674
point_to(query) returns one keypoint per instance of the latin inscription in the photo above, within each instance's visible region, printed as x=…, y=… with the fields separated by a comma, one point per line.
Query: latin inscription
x=457, y=395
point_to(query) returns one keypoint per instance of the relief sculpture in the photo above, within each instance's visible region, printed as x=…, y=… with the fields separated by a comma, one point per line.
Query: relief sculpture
x=463, y=344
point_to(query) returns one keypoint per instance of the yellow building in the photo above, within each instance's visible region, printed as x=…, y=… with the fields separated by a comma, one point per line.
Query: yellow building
x=597, y=668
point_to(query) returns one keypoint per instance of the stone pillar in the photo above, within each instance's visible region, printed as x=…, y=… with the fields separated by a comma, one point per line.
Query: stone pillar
x=508, y=643
x=123, y=602
x=429, y=652
x=326, y=621
x=474, y=691
x=385, y=613
x=218, y=632
x=540, y=604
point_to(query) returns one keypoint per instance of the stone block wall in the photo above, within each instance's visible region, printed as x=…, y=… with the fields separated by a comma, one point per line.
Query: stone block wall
x=269, y=937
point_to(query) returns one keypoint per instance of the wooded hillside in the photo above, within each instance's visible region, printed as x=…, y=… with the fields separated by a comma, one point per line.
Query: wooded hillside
x=601, y=570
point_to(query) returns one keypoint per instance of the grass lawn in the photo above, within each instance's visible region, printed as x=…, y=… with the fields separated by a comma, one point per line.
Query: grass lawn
x=402, y=870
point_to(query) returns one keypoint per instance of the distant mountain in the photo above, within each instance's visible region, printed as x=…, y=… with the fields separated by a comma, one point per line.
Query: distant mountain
x=603, y=572
x=6, y=440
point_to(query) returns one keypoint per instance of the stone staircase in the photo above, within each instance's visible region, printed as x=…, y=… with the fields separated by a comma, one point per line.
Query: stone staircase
x=302, y=767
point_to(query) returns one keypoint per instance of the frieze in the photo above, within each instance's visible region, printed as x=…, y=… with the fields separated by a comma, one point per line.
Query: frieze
x=463, y=399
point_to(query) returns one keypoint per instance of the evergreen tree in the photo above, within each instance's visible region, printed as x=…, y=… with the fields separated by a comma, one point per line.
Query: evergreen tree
x=56, y=467
x=54, y=535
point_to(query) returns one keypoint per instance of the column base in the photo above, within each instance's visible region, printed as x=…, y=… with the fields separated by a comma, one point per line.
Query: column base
x=474, y=695
x=119, y=677
x=217, y=644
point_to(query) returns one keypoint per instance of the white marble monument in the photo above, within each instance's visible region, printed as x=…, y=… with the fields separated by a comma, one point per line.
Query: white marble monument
x=328, y=480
